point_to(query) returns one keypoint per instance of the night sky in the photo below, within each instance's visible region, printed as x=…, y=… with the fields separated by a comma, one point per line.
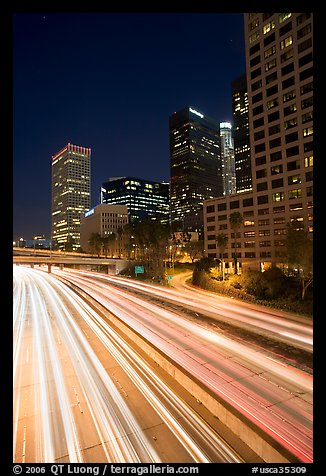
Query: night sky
x=110, y=81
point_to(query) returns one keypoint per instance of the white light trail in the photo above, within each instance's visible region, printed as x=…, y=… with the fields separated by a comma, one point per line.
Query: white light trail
x=55, y=360
x=277, y=398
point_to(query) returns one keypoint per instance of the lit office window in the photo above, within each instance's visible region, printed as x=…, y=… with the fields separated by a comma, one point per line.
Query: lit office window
x=284, y=16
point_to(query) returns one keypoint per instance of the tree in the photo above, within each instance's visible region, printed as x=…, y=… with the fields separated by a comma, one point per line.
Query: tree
x=236, y=221
x=195, y=249
x=221, y=241
x=120, y=233
x=205, y=264
x=151, y=239
x=178, y=239
x=95, y=243
x=107, y=240
x=299, y=252
x=129, y=240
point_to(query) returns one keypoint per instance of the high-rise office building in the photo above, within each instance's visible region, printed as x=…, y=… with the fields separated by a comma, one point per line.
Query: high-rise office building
x=279, y=64
x=195, y=166
x=144, y=198
x=240, y=112
x=228, y=163
x=70, y=194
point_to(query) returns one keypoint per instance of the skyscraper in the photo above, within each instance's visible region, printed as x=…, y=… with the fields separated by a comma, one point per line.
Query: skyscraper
x=279, y=64
x=195, y=166
x=228, y=164
x=240, y=112
x=144, y=198
x=70, y=194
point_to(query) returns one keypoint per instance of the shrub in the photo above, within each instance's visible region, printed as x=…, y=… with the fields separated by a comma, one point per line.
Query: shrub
x=235, y=281
x=259, y=288
x=205, y=264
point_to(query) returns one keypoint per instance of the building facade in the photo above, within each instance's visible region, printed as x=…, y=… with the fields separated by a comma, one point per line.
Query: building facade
x=279, y=63
x=240, y=113
x=144, y=198
x=228, y=163
x=195, y=166
x=105, y=220
x=71, y=170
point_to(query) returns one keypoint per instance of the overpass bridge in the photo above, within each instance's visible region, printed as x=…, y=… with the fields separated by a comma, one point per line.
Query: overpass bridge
x=77, y=260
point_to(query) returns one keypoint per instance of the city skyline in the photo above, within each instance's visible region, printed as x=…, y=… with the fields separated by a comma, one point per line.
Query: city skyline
x=112, y=90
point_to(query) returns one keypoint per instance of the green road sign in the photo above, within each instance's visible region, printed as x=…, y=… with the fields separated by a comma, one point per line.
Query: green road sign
x=139, y=269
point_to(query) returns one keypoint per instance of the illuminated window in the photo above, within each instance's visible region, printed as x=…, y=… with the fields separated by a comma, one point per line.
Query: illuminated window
x=270, y=52
x=278, y=196
x=283, y=16
x=248, y=223
x=254, y=37
x=263, y=222
x=272, y=103
x=276, y=169
x=268, y=27
x=296, y=193
x=254, y=24
x=290, y=123
x=271, y=64
x=264, y=232
x=265, y=243
x=308, y=131
x=286, y=42
x=309, y=161
x=280, y=231
x=296, y=206
x=289, y=95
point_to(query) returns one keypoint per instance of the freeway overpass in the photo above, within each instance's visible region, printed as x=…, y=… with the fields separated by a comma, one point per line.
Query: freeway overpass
x=78, y=260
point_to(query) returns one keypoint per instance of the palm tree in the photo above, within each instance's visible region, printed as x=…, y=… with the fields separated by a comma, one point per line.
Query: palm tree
x=221, y=241
x=236, y=221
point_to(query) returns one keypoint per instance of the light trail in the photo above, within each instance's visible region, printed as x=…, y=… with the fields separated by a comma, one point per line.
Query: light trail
x=296, y=331
x=64, y=396
x=277, y=398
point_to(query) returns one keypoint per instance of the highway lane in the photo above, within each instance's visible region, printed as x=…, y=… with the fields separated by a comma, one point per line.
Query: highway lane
x=276, y=397
x=284, y=327
x=83, y=394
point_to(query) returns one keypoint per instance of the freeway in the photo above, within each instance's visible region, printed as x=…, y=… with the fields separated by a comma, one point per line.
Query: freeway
x=284, y=327
x=276, y=397
x=82, y=393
